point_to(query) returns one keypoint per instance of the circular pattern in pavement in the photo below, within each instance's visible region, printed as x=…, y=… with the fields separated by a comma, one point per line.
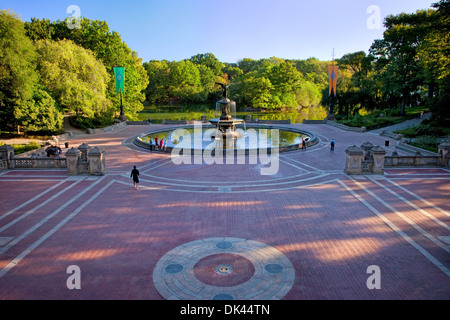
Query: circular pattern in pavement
x=224, y=269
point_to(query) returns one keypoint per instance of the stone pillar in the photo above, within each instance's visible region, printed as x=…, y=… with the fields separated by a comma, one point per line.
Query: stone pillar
x=378, y=155
x=7, y=153
x=96, y=161
x=366, y=147
x=417, y=158
x=444, y=153
x=395, y=158
x=84, y=151
x=72, y=157
x=353, y=161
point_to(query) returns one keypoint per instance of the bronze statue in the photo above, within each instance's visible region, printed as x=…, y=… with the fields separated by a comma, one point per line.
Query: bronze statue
x=225, y=89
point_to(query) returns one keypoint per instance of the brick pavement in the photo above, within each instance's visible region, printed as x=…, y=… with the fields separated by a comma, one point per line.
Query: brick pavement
x=331, y=227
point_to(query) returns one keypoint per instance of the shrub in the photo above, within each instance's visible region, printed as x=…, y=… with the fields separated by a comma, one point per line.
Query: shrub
x=426, y=142
x=392, y=112
x=422, y=130
x=21, y=148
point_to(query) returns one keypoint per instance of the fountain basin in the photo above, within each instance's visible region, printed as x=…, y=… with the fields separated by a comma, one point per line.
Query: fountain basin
x=244, y=135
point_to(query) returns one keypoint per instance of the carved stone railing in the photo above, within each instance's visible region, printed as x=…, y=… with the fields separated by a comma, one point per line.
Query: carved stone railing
x=84, y=160
x=417, y=160
x=369, y=159
x=39, y=163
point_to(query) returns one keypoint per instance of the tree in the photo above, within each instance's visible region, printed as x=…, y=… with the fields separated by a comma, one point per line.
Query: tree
x=184, y=81
x=157, y=89
x=396, y=54
x=365, y=89
x=434, y=57
x=209, y=60
x=39, y=29
x=40, y=113
x=314, y=71
x=233, y=72
x=77, y=80
x=17, y=68
x=247, y=65
x=257, y=92
x=107, y=47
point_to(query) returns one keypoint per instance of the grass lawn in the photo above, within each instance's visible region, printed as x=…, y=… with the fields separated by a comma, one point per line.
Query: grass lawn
x=22, y=148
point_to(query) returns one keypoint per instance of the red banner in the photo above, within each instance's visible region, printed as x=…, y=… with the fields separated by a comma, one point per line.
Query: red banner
x=332, y=75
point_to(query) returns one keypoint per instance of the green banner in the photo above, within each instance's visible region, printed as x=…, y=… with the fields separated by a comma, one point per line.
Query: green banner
x=119, y=74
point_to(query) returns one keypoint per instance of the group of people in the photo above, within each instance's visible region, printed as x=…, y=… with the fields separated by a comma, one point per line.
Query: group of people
x=332, y=144
x=160, y=144
x=53, y=151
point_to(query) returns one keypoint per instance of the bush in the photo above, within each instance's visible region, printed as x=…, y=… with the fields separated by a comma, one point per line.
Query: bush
x=22, y=148
x=392, y=112
x=426, y=142
x=422, y=130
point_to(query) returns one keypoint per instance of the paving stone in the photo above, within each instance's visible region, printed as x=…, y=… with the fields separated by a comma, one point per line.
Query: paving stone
x=325, y=228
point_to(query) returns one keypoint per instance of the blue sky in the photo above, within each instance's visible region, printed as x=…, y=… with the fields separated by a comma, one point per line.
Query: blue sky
x=232, y=29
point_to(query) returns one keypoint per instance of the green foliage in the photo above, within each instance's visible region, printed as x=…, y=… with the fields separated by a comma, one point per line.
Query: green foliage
x=40, y=113
x=426, y=142
x=22, y=148
x=107, y=47
x=17, y=68
x=182, y=81
x=209, y=60
x=76, y=78
x=422, y=130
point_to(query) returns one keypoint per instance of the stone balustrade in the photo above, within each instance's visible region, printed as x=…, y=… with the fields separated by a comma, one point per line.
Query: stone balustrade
x=84, y=160
x=370, y=159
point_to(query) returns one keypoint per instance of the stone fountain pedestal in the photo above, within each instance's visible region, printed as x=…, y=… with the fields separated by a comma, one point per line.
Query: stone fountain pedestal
x=226, y=125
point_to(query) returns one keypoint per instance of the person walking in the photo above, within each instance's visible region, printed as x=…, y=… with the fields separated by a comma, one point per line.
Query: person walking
x=135, y=176
x=161, y=144
x=151, y=144
x=303, y=144
x=156, y=142
x=165, y=145
x=332, y=144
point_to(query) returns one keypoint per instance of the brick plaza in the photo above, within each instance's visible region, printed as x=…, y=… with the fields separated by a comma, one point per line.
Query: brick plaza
x=308, y=232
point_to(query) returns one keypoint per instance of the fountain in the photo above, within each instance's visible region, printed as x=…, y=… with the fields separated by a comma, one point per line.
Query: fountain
x=225, y=133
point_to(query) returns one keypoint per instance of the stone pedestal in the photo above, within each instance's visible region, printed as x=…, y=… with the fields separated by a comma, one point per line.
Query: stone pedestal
x=366, y=148
x=353, y=161
x=417, y=158
x=7, y=153
x=378, y=155
x=96, y=162
x=72, y=157
x=444, y=153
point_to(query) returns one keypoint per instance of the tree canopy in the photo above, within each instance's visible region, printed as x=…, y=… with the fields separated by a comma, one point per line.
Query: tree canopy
x=47, y=69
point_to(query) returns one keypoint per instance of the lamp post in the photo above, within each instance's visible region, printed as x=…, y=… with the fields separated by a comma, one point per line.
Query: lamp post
x=122, y=116
x=119, y=73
